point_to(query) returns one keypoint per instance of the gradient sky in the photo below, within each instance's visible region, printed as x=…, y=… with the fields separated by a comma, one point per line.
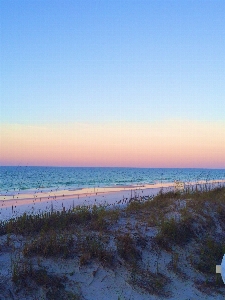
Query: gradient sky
x=113, y=83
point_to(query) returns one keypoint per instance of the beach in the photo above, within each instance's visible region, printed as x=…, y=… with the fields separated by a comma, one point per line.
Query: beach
x=128, y=252
x=16, y=204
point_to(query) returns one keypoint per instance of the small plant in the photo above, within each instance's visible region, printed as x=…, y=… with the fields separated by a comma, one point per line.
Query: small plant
x=134, y=205
x=175, y=257
x=85, y=258
x=21, y=269
x=50, y=245
x=127, y=249
x=15, y=271
x=175, y=232
x=149, y=282
x=210, y=285
x=92, y=247
x=211, y=254
x=8, y=240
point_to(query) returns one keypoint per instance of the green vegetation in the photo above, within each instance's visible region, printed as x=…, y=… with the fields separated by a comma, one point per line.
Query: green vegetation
x=127, y=249
x=175, y=232
x=115, y=238
x=152, y=283
x=50, y=245
x=29, y=224
x=211, y=253
x=25, y=276
x=93, y=248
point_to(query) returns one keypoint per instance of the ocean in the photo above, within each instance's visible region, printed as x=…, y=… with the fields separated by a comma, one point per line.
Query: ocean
x=28, y=179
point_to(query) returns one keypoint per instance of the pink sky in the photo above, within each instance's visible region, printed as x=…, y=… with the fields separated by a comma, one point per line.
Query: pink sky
x=171, y=143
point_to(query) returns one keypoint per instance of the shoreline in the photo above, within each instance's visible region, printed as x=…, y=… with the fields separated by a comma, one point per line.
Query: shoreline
x=113, y=252
x=111, y=197
x=82, y=192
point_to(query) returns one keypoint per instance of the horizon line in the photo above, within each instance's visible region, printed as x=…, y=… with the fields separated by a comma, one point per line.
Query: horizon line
x=116, y=167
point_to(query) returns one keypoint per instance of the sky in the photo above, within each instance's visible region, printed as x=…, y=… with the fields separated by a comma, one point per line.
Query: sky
x=112, y=83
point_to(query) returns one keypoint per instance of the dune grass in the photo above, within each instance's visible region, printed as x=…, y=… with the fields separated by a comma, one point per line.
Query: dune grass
x=24, y=276
x=152, y=283
x=127, y=248
x=50, y=245
x=93, y=248
x=115, y=237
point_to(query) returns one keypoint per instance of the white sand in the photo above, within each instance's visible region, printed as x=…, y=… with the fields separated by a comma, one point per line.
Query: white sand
x=11, y=207
x=94, y=281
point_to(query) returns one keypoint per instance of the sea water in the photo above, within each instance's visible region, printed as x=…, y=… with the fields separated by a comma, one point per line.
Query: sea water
x=26, y=178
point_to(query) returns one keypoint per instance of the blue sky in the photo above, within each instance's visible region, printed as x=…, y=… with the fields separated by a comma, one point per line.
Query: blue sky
x=99, y=61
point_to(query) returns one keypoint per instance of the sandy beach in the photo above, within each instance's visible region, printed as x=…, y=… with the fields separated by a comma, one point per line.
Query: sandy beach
x=15, y=204
x=117, y=254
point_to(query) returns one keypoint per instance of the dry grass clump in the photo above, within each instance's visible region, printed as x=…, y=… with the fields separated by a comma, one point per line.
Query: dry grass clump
x=127, y=248
x=197, y=219
x=162, y=199
x=23, y=270
x=211, y=285
x=134, y=205
x=141, y=241
x=211, y=253
x=159, y=202
x=24, y=276
x=200, y=199
x=93, y=248
x=221, y=215
x=175, y=266
x=151, y=210
x=50, y=245
x=152, y=283
x=97, y=218
x=30, y=224
x=172, y=232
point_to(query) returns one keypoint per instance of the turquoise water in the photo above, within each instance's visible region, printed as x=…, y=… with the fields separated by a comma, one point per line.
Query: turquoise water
x=25, y=179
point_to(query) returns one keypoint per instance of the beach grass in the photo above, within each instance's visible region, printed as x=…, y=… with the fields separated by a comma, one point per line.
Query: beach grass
x=184, y=226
